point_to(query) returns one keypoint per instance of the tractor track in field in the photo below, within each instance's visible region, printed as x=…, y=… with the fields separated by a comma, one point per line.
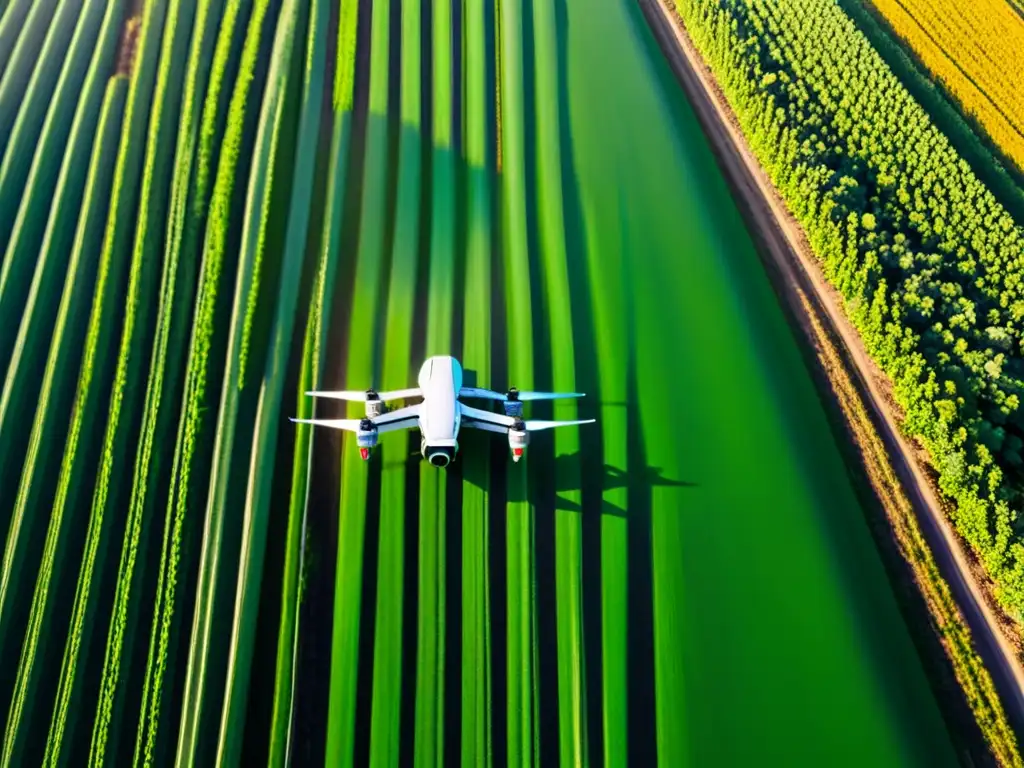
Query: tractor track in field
x=788, y=255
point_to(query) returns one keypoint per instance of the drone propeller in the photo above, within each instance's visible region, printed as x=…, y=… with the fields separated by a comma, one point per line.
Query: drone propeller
x=368, y=395
x=514, y=394
x=535, y=425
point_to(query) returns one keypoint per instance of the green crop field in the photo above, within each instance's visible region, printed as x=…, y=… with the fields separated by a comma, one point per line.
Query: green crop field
x=209, y=207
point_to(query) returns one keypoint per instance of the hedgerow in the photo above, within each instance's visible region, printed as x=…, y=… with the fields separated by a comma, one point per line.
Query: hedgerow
x=928, y=262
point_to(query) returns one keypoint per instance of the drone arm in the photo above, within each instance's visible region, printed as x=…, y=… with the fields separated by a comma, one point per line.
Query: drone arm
x=391, y=426
x=487, y=417
x=410, y=412
x=483, y=394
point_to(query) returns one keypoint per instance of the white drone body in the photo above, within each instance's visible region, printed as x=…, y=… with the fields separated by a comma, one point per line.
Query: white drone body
x=441, y=414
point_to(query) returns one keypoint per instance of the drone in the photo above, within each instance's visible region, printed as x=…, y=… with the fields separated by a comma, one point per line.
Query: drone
x=441, y=414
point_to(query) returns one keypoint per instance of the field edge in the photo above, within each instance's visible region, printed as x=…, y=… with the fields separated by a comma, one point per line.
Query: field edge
x=847, y=382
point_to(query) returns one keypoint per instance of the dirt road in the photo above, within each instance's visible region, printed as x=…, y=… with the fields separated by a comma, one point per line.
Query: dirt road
x=783, y=244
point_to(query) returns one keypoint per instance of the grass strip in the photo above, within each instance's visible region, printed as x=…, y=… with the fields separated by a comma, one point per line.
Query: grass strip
x=269, y=407
x=60, y=361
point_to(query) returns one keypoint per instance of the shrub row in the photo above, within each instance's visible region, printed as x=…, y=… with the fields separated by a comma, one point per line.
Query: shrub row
x=929, y=263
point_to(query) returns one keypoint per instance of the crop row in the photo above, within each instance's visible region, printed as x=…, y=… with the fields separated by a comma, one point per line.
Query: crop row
x=311, y=377
x=975, y=53
x=164, y=384
x=159, y=201
x=397, y=371
x=25, y=697
x=222, y=144
x=36, y=129
x=362, y=361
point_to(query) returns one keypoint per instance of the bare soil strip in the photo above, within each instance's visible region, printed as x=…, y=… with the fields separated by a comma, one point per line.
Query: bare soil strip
x=787, y=253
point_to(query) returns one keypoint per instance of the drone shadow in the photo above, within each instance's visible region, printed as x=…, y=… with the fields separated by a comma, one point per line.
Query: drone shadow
x=565, y=474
